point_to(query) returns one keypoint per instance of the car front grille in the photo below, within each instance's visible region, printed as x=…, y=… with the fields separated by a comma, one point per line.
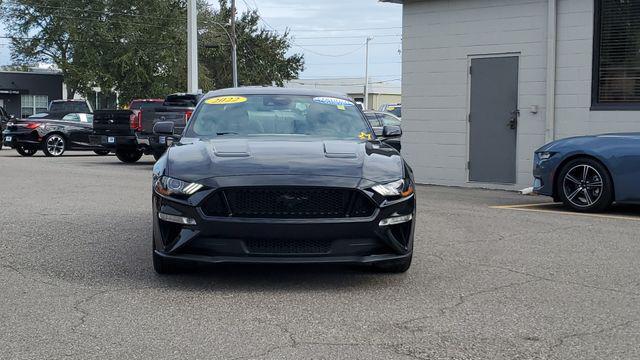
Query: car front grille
x=288, y=203
x=284, y=247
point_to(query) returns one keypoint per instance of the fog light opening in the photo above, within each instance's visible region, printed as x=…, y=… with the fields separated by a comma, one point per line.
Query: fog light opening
x=177, y=219
x=395, y=220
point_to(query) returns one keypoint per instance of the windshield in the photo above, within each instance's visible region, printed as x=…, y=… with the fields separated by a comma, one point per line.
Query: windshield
x=395, y=110
x=278, y=115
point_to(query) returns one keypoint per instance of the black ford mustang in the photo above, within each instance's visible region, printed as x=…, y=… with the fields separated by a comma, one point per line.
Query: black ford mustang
x=273, y=175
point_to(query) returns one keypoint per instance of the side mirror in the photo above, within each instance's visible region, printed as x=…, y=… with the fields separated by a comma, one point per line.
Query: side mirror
x=391, y=131
x=12, y=117
x=164, y=128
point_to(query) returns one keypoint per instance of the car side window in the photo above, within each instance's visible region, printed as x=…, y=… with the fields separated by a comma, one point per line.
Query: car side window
x=389, y=120
x=373, y=120
x=71, y=117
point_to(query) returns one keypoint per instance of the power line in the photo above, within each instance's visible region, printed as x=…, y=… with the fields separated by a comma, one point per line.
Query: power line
x=353, y=44
x=346, y=37
x=343, y=29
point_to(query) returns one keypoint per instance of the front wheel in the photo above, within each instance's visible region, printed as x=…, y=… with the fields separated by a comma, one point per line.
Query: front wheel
x=585, y=185
x=101, y=152
x=129, y=155
x=26, y=151
x=54, y=145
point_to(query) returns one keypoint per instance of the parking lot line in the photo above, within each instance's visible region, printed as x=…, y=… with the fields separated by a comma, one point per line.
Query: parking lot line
x=557, y=208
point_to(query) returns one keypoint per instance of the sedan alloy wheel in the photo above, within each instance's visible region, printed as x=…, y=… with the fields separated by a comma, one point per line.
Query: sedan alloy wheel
x=585, y=185
x=54, y=145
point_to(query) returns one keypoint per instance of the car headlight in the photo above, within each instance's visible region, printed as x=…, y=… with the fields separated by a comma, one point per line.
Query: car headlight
x=169, y=186
x=402, y=188
x=546, y=155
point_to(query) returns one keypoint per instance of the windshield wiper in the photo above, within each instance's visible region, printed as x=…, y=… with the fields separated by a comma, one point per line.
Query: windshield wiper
x=227, y=133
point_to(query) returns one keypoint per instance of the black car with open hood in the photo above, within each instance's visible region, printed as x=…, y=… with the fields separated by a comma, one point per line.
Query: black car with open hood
x=272, y=175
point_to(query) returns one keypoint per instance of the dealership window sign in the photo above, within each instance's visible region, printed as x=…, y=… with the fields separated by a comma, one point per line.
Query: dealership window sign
x=9, y=92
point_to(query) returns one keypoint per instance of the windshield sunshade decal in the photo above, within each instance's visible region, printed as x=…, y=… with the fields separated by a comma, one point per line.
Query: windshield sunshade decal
x=223, y=100
x=340, y=103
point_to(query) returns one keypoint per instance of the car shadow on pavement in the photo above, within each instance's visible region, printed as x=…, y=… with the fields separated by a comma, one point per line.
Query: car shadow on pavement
x=272, y=277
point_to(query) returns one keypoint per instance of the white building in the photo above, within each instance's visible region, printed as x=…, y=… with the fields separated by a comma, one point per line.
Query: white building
x=380, y=91
x=571, y=67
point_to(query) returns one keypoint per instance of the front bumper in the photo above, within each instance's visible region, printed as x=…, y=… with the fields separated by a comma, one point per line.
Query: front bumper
x=544, y=172
x=252, y=240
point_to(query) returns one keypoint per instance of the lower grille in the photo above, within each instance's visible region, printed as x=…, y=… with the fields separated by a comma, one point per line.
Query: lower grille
x=283, y=247
x=288, y=203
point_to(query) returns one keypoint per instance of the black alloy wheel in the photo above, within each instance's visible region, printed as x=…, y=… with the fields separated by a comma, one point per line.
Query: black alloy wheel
x=585, y=185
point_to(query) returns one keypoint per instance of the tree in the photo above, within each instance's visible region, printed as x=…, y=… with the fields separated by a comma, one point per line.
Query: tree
x=262, y=54
x=138, y=48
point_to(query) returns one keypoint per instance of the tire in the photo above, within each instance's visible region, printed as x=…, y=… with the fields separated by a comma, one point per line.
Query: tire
x=54, y=145
x=584, y=185
x=26, y=151
x=101, y=152
x=128, y=156
x=394, y=266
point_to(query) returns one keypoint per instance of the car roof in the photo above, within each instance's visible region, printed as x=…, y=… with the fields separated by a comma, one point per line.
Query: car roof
x=271, y=90
x=69, y=100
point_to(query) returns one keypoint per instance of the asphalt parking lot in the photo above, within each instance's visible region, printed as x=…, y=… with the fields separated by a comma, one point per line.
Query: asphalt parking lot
x=487, y=282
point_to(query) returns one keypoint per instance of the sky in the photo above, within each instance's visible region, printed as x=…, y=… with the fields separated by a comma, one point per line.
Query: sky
x=330, y=34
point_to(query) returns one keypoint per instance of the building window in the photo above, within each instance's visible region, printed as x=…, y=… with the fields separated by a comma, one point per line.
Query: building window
x=33, y=104
x=616, y=61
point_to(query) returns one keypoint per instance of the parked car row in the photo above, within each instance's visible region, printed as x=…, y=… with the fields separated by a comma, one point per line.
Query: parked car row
x=73, y=125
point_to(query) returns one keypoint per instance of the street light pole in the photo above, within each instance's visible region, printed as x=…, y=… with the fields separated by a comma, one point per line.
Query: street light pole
x=234, y=41
x=192, y=47
x=366, y=73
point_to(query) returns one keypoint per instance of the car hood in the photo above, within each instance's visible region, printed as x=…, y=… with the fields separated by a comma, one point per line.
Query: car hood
x=194, y=159
x=589, y=139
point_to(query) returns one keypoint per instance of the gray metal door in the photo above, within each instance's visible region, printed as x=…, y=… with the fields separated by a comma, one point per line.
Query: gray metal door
x=493, y=120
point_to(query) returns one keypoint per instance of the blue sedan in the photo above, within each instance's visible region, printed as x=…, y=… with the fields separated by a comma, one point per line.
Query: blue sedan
x=589, y=173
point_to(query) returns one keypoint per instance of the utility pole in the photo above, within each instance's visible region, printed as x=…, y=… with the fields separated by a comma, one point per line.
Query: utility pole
x=366, y=73
x=192, y=47
x=234, y=44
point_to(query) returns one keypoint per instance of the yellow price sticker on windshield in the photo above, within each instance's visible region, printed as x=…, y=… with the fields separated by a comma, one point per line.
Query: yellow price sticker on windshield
x=223, y=100
x=391, y=108
x=365, y=136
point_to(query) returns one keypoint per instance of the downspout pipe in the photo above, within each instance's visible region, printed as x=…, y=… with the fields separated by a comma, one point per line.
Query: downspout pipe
x=552, y=42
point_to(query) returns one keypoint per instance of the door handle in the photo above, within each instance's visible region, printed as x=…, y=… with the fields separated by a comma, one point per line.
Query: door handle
x=513, y=121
